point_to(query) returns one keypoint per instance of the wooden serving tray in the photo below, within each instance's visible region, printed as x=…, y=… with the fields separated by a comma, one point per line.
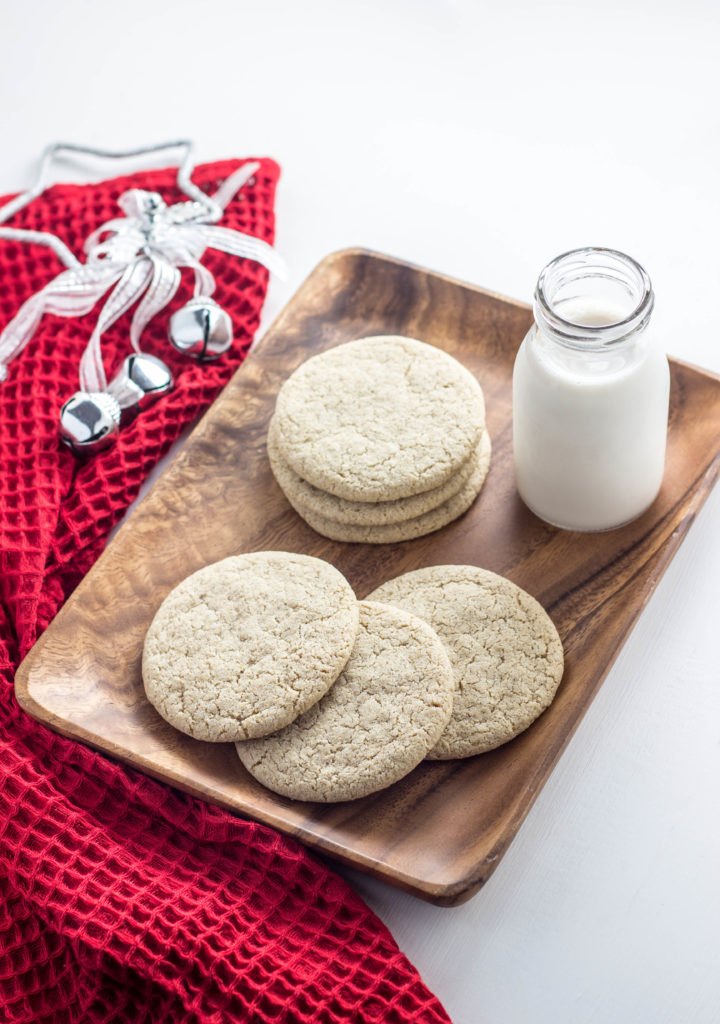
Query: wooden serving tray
x=440, y=832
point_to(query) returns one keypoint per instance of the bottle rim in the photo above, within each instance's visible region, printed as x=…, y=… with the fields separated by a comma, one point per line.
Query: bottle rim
x=593, y=262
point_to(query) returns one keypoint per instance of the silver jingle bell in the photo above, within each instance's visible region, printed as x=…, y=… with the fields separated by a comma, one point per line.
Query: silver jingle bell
x=141, y=380
x=89, y=422
x=201, y=329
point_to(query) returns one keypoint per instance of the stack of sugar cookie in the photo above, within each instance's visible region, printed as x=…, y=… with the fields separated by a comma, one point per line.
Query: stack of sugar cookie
x=380, y=440
x=328, y=698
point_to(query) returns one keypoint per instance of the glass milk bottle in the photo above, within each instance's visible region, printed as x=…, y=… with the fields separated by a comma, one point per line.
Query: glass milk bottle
x=590, y=394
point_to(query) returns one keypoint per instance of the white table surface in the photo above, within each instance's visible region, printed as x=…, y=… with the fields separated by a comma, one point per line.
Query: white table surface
x=480, y=140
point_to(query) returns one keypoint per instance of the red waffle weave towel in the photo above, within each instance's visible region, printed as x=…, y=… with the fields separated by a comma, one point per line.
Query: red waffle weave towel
x=121, y=899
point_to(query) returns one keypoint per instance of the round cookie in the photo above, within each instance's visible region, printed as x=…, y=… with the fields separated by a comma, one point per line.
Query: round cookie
x=379, y=418
x=435, y=519
x=505, y=651
x=303, y=496
x=388, y=707
x=243, y=646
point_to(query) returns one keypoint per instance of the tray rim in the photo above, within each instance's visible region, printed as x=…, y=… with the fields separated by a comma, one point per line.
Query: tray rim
x=440, y=894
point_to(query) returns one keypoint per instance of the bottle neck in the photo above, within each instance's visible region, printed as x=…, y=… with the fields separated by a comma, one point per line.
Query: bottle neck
x=593, y=301
x=593, y=363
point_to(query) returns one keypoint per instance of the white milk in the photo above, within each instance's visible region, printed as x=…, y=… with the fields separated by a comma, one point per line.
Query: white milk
x=589, y=425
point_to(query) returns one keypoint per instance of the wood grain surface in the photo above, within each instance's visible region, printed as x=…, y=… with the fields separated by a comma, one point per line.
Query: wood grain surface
x=441, y=831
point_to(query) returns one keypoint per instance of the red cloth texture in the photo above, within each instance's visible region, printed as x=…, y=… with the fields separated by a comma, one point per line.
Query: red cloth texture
x=120, y=898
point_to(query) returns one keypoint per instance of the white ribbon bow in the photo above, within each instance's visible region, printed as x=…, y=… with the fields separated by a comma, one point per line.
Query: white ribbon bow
x=138, y=259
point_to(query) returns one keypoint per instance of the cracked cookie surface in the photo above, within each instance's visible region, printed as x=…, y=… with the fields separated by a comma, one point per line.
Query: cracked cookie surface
x=430, y=521
x=388, y=707
x=242, y=647
x=379, y=418
x=303, y=496
x=506, y=654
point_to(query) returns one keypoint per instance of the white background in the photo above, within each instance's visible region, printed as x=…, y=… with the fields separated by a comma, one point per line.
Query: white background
x=480, y=140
